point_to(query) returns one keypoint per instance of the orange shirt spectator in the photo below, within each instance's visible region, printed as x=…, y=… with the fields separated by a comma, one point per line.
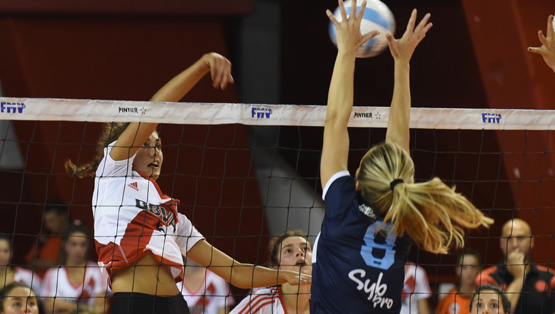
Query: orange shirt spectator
x=47, y=250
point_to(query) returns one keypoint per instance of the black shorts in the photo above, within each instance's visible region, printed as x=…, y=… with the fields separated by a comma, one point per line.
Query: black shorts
x=140, y=303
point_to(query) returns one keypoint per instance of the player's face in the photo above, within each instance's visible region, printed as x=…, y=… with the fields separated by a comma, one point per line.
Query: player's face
x=516, y=236
x=19, y=301
x=296, y=254
x=487, y=302
x=149, y=158
x=468, y=269
x=76, y=247
x=54, y=222
x=5, y=252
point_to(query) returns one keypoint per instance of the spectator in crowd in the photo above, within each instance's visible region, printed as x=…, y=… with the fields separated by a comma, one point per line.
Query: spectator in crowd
x=458, y=299
x=77, y=286
x=489, y=299
x=18, y=298
x=204, y=291
x=289, y=251
x=529, y=287
x=416, y=291
x=47, y=249
x=9, y=273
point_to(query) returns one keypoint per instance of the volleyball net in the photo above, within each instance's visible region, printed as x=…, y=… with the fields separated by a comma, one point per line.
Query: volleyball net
x=247, y=172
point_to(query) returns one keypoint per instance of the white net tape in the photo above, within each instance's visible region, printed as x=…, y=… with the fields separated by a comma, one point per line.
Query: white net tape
x=48, y=109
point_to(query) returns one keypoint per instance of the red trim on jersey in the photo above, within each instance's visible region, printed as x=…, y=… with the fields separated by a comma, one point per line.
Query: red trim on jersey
x=133, y=244
x=281, y=300
x=485, y=277
x=256, y=303
x=547, y=269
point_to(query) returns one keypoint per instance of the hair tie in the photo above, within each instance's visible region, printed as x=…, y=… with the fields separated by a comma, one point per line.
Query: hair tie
x=394, y=183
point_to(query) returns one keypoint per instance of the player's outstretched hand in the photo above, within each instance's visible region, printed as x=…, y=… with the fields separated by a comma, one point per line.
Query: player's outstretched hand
x=348, y=35
x=295, y=278
x=547, y=50
x=403, y=48
x=220, y=69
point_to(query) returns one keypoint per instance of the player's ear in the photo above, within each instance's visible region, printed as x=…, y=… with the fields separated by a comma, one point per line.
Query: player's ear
x=531, y=243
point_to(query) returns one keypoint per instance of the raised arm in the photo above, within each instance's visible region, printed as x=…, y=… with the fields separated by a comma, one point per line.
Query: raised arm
x=547, y=50
x=402, y=50
x=242, y=275
x=137, y=133
x=335, y=149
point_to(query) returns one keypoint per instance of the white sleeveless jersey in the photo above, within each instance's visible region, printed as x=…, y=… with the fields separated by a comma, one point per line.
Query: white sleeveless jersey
x=132, y=216
x=263, y=301
x=213, y=295
x=29, y=278
x=56, y=284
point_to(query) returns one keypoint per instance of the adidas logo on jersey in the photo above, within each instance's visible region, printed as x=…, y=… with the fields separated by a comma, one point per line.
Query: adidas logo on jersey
x=134, y=186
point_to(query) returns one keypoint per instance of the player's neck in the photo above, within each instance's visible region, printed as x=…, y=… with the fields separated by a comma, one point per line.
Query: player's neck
x=6, y=271
x=296, y=298
x=467, y=289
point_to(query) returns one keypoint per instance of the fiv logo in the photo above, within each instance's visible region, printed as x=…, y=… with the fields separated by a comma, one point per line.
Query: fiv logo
x=491, y=117
x=12, y=107
x=261, y=113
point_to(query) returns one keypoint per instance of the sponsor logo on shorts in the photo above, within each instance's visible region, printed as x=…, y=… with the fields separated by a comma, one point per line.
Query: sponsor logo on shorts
x=132, y=110
x=491, y=117
x=12, y=107
x=367, y=115
x=261, y=113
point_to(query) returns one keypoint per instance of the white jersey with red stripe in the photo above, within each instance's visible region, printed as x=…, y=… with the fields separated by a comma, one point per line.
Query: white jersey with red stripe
x=133, y=217
x=29, y=278
x=415, y=289
x=263, y=301
x=57, y=285
x=213, y=295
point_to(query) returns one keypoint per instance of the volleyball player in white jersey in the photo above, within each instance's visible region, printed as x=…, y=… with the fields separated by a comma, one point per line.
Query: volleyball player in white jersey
x=204, y=291
x=140, y=236
x=78, y=285
x=361, y=251
x=289, y=251
x=9, y=273
x=547, y=49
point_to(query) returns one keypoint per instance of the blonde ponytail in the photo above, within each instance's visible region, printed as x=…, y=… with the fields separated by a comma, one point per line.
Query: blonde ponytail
x=431, y=213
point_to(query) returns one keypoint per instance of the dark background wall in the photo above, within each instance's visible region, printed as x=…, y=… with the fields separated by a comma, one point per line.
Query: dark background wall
x=474, y=56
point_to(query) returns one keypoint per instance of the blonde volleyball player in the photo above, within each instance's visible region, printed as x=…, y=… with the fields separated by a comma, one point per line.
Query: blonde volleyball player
x=140, y=237
x=360, y=254
x=547, y=49
x=289, y=251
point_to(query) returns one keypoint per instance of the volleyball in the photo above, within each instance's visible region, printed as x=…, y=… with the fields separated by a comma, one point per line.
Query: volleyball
x=377, y=16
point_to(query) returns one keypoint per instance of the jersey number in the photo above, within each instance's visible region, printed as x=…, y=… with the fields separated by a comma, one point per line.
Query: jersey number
x=378, y=250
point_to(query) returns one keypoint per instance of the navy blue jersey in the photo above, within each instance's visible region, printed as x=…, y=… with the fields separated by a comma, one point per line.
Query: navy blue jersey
x=355, y=269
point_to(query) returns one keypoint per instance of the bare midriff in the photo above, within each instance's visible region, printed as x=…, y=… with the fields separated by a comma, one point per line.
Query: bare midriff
x=146, y=276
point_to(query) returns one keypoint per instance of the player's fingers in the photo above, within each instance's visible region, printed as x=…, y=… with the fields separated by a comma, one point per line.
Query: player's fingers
x=535, y=50
x=412, y=21
x=542, y=38
x=550, y=30
x=342, y=10
x=422, y=23
x=367, y=36
x=353, y=9
x=360, y=12
x=332, y=18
